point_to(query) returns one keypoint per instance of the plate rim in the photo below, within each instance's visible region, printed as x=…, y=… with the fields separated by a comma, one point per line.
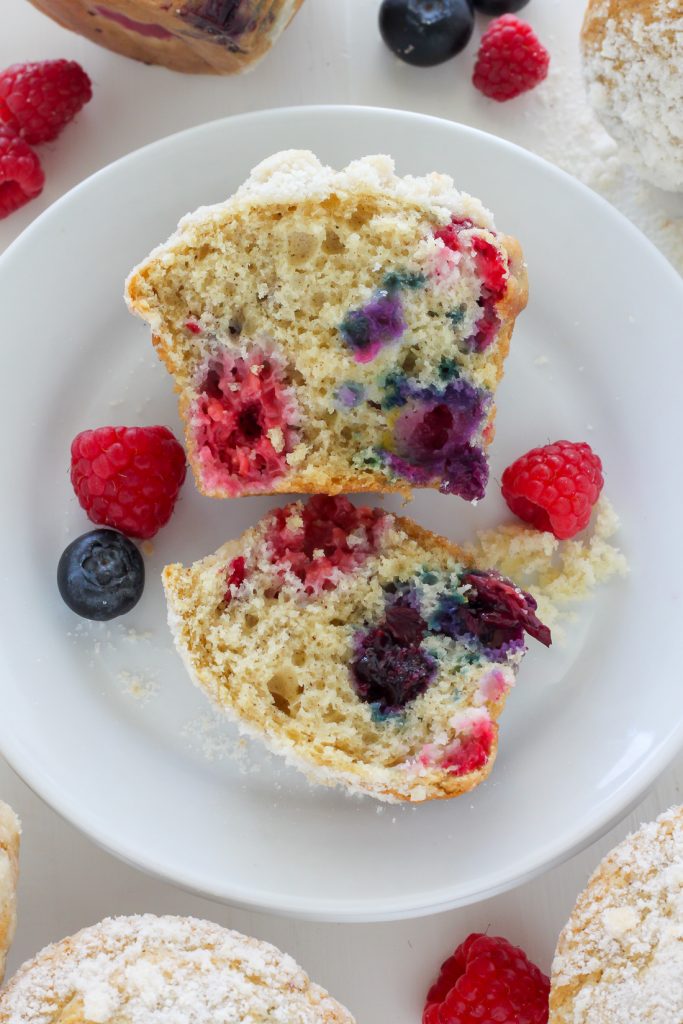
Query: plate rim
x=606, y=813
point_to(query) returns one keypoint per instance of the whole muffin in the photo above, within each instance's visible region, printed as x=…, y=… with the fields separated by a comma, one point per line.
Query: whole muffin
x=633, y=64
x=197, y=36
x=10, y=831
x=619, y=959
x=164, y=970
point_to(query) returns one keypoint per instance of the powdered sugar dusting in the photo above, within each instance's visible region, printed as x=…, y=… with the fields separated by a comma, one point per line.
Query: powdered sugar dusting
x=623, y=946
x=166, y=970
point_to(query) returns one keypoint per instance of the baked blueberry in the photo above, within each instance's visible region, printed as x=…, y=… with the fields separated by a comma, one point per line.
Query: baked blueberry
x=497, y=7
x=101, y=575
x=426, y=32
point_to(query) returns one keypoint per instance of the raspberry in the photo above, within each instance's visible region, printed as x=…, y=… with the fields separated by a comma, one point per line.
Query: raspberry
x=243, y=422
x=511, y=60
x=485, y=980
x=491, y=267
x=235, y=575
x=469, y=753
x=128, y=477
x=38, y=100
x=21, y=176
x=555, y=487
x=328, y=537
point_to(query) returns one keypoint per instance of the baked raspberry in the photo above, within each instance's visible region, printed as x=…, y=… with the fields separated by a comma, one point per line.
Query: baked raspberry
x=328, y=536
x=485, y=329
x=511, y=60
x=491, y=267
x=38, y=100
x=471, y=751
x=128, y=477
x=235, y=575
x=244, y=422
x=488, y=980
x=555, y=487
x=21, y=176
x=450, y=234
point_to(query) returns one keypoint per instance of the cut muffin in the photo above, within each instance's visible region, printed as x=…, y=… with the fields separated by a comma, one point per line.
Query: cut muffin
x=164, y=970
x=358, y=645
x=335, y=331
x=619, y=959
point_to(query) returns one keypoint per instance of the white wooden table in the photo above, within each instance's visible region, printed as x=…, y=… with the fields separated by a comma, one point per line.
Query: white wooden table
x=331, y=54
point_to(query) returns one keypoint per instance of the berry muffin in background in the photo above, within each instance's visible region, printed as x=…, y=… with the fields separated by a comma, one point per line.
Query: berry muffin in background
x=154, y=970
x=196, y=36
x=619, y=959
x=10, y=830
x=633, y=65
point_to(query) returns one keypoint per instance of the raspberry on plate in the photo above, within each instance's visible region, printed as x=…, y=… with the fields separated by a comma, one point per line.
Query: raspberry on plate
x=128, y=477
x=485, y=980
x=511, y=60
x=21, y=176
x=38, y=100
x=555, y=487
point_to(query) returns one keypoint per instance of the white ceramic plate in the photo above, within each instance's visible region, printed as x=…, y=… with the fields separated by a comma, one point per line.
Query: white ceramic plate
x=101, y=719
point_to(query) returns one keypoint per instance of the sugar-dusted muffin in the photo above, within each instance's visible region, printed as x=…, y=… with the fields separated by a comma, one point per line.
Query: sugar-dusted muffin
x=619, y=959
x=335, y=331
x=10, y=831
x=164, y=970
x=356, y=644
x=197, y=36
x=633, y=64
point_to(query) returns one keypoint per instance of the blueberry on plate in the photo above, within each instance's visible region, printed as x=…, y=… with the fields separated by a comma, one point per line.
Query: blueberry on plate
x=426, y=32
x=496, y=7
x=101, y=575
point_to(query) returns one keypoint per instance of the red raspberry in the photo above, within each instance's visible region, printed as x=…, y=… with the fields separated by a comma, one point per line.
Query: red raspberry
x=21, y=176
x=555, y=487
x=128, y=477
x=235, y=575
x=38, y=100
x=486, y=980
x=511, y=60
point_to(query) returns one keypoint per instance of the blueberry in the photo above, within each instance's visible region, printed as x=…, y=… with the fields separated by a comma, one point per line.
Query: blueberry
x=496, y=7
x=101, y=575
x=390, y=668
x=426, y=32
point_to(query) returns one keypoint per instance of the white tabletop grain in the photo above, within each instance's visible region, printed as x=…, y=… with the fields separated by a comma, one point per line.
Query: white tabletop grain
x=331, y=54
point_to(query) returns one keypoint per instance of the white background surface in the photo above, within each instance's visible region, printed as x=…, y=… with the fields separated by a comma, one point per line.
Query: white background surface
x=332, y=53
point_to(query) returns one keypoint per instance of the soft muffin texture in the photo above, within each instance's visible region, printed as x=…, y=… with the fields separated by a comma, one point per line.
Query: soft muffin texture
x=164, y=970
x=10, y=831
x=332, y=331
x=194, y=36
x=352, y=659
x=633, y=64
x=619, y=959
